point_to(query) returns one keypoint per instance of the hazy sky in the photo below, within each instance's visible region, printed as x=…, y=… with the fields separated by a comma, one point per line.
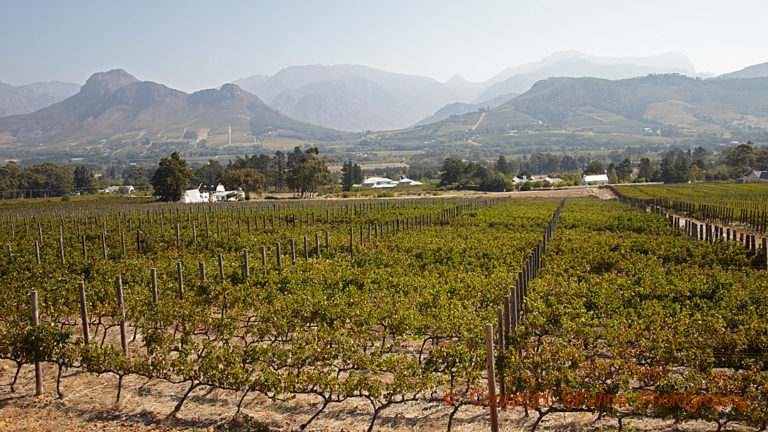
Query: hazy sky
x=192, y=45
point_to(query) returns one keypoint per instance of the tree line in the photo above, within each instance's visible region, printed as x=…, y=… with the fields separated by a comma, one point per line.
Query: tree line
x=674, y=166
x=300, y=171
x=44, y=180
x=304, y=171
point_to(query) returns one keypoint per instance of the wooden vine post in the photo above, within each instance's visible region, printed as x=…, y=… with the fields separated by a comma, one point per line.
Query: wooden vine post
x=84, y=312
x=121, y=305
x=491, y=376
x=153, y=275
x=352, y=242
x=246, y=265
x=180, y=277
x=264, y=257
x=61, y=246
x=38, y=365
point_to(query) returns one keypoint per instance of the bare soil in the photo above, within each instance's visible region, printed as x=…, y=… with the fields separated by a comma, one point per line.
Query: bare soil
x=601, y=193
x=88, y=404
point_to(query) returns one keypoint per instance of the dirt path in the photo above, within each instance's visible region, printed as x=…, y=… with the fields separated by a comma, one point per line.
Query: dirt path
x=566, y=192
x=480, y=120
x=605, y=193
x=593, y=116
x=552, y=193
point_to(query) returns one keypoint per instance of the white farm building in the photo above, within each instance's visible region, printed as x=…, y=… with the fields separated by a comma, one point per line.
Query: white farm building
x=192, y=196
x=595, y=179
x=385, y=183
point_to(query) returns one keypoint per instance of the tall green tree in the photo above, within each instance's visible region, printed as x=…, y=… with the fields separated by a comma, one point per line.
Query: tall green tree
x=502, y=166
x=307, y=171
x=451, y=172
x=624, y=170
x=11, y=181
x=280, y=170
x=645, y=169
x=210, y=173
x=613, y=178
x=595, y=167
x=495, y=182
x=137, y=177
x=48, y=179
x=85, y=181
x=674, y=169
x=357, y=174
x=346, y=176
x=739, y=158
x=568, y=163
x=475, y=173
x=351, y=174
x=247, y=179
x=172, y=178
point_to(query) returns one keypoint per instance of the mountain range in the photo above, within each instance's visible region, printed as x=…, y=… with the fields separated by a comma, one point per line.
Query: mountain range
x=644, y=105
x=114, y=112
x=115, y=106
x=356, y=98
x=351, y=98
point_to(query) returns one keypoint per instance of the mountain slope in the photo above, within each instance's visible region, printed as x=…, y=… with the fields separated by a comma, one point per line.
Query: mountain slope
x=31, y=97
x=754, y=71
x=459, y=108
x=352, y=98
x=352, y=103
x=115, y=105
x=654, y=99
x=636, y=106
x=580, y=65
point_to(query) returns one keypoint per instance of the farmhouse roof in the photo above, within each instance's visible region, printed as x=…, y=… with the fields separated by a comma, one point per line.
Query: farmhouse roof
x=595, y=178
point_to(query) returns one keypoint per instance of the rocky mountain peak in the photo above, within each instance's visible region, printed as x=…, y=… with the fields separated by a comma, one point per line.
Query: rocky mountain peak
x=102, y=83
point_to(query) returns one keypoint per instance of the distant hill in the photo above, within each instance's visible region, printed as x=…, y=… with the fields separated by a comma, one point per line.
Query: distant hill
x=31, y=97
x=459, y=108
x=575, y=64
x=353, y=98
x=115, y=105
x=637, y=106
x=463, y=89
x=631, y=104
x=754, y=71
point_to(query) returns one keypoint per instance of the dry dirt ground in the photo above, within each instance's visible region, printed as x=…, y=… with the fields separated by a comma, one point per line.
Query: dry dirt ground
x=88, y=404
x=569, y=192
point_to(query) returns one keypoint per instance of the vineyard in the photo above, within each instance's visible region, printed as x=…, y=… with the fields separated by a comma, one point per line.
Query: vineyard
x=353, y=312
x=746, y=204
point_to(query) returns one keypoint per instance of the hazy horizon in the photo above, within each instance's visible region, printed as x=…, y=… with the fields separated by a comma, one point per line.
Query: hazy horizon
x=192, y=47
